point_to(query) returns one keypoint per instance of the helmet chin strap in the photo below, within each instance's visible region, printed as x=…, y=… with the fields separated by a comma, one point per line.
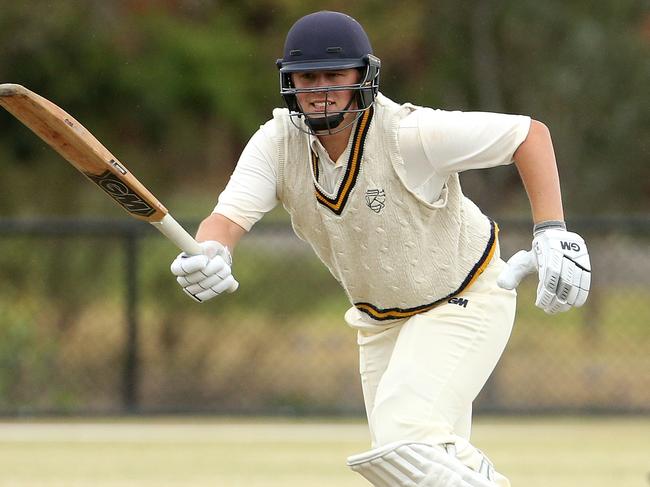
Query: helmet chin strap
x=319, y=124
x=328, y=122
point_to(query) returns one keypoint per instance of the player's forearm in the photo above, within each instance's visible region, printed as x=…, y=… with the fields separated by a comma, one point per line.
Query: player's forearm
x=535, y=161
x=218, y=227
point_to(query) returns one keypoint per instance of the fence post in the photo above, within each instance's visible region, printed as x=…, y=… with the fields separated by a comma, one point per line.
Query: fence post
x=130, y=385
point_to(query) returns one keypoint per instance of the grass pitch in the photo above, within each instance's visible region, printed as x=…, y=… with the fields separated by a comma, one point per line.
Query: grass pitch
x=571, y=452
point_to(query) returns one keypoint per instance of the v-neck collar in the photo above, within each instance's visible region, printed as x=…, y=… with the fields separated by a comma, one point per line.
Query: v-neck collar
x=336, y=202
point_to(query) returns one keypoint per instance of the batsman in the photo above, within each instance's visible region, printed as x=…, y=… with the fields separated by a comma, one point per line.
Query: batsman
x=373, y=187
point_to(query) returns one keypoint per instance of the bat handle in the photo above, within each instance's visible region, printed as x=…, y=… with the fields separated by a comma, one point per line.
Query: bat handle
x=173, y=230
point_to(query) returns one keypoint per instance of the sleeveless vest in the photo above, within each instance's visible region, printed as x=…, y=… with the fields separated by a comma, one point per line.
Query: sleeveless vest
x=395, y=254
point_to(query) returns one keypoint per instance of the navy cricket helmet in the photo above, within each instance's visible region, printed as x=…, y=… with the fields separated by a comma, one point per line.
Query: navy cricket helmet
x=324, y=41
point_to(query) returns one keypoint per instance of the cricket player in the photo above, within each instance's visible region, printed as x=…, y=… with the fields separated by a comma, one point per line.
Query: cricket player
x=373, y=187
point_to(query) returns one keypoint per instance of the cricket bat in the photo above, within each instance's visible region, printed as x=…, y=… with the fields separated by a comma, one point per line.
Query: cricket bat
x=81, y=149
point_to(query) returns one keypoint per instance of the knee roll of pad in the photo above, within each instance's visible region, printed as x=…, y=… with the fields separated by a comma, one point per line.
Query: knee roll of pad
x=406, y=464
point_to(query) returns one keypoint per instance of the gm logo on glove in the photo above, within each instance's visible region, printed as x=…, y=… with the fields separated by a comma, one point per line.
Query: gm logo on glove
x=570, y=246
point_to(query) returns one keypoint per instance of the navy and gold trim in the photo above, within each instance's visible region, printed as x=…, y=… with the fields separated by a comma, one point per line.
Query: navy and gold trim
x=379, y=314
x=337, y=203
x=314, y=165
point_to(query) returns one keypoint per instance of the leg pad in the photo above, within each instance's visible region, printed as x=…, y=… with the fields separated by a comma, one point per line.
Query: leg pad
x=406, y=464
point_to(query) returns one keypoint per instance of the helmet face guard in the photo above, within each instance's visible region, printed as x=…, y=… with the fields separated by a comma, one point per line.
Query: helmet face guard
x=328, y=41
x=329, y=122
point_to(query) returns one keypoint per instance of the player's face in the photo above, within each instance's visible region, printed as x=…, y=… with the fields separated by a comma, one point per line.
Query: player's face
x=325, y=101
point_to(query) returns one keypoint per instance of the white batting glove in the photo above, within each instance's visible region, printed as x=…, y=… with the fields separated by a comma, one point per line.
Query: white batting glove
x=562, y=262
x=205, y=276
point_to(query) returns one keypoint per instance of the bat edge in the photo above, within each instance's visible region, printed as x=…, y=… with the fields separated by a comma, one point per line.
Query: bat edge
x=12, y=89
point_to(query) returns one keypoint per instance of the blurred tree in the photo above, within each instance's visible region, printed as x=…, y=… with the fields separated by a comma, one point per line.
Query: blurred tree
x=176, y=88
x=584, y=69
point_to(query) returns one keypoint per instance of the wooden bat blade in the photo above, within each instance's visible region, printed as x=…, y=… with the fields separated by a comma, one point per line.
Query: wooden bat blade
x=79, y=147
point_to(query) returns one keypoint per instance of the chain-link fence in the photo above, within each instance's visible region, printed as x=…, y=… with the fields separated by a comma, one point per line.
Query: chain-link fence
x=91, y=321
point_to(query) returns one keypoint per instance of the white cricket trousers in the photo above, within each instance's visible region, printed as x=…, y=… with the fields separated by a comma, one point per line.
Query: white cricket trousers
x=420, y=376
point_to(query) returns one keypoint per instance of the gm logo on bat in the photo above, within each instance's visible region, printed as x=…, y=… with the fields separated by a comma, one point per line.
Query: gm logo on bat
x=121, y=193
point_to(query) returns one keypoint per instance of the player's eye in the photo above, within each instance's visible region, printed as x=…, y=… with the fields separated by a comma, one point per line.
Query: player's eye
x=306, y=76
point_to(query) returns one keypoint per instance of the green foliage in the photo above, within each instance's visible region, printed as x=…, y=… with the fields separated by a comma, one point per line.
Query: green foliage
x=585, y=72
x=24, y=358
x=176, y=89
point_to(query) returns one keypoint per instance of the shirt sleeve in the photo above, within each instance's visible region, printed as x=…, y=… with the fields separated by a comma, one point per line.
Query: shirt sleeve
x=455, y=141
x=251, y=191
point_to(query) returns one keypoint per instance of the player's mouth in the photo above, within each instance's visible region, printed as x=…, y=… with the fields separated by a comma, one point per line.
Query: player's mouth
x=322, y=106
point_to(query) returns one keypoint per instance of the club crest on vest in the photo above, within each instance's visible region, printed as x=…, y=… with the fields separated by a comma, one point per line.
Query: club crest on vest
x=376, y=199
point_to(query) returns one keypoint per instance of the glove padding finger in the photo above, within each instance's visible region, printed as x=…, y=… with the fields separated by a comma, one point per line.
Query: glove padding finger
x=576, y=288
x=518, y=266
x=192, y=296
x=550, y=269
x=585, y=285
x=569, y=286
x=215, y=282
x=215, y=266
x=185, y=265
x=555, y=306
x=229, y=284
x=564, y=270
x=549, y=302
x=203, y=277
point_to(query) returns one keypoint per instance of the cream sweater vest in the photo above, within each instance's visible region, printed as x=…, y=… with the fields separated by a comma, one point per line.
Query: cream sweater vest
x=394, y=254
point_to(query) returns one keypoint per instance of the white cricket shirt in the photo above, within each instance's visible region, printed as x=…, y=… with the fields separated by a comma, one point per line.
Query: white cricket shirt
x=434, y=144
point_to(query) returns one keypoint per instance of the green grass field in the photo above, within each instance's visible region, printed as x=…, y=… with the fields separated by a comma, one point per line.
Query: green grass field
x=548, y=452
